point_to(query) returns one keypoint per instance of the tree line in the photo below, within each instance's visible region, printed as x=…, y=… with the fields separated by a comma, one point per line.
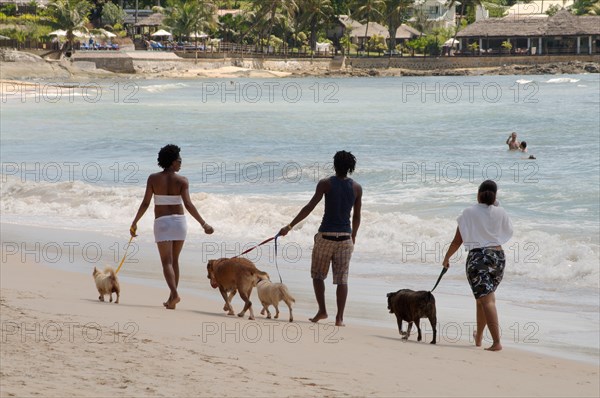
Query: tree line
x=293, y=23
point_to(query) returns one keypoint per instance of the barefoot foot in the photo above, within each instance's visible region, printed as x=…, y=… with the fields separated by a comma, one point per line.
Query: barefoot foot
x=494, y=347
x=170, y=305
x=339, y=322
x=166, y=303
x=318, y=317
x=477, y=339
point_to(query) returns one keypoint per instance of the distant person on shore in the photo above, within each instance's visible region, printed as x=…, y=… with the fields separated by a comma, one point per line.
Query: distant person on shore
x=334, y=243
x=512, y=142
x=171, y=194
x=483, y=229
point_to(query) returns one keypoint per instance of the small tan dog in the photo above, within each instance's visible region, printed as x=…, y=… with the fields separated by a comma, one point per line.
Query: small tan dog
x=107, y=283
x=271, y=294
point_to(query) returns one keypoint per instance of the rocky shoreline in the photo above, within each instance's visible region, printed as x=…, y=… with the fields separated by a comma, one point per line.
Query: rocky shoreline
x=17, y=65
x=554, y=68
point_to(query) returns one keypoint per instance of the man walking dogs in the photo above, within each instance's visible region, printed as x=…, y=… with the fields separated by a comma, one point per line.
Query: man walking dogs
x=335, y=240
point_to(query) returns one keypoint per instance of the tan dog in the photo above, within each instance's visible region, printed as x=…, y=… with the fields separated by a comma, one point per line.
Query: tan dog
x=271, y=294
x=235, y=274
x=107, y=283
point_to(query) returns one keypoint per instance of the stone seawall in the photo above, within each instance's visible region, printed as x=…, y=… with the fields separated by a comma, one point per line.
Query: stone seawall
x=158, y=62
x=113, y=64
x=142, y=61
x=284, y=65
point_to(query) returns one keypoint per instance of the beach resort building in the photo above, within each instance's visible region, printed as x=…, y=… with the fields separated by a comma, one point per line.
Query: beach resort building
x=362, y=34
x=563, y=33
x=359, y=34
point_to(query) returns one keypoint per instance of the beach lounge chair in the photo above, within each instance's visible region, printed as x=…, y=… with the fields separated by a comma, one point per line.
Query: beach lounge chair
x=156, y=45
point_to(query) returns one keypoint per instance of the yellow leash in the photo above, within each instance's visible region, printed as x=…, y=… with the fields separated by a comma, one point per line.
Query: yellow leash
x=125, y=255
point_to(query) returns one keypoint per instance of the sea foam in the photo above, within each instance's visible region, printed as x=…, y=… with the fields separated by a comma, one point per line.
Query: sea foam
x=386, y=235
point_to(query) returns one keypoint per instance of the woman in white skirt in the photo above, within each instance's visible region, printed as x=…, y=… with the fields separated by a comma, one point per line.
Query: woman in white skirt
x=171, y=194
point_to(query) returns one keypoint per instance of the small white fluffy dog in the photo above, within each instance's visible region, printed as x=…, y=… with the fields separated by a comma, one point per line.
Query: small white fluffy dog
x=271, y=294
x=107, y=283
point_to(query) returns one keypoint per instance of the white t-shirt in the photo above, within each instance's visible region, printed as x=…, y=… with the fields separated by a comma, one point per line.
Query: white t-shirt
x=483, y=226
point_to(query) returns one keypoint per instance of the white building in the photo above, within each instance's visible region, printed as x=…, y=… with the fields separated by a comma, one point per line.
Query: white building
x=437, y=11
x=536, y=9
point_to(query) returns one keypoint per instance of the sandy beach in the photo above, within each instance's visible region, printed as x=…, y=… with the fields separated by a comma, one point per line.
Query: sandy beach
x=58, y=339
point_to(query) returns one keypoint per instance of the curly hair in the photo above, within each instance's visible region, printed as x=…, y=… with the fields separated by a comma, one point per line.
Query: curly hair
x=167, y=155
x=344, y=162
x=487, y=192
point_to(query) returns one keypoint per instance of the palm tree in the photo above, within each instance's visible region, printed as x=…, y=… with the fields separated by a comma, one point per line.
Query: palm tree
x=586, y=7
x=463, y=4
x=231, y=26
x=258, y=25
x=70, y=15
x=368, y=10
x=185, y=17
x=396, y=12
x=315, y=13
x=287, y=27
x=274, y=10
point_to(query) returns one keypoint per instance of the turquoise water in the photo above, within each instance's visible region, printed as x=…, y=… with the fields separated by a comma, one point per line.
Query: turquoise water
x=253, y=151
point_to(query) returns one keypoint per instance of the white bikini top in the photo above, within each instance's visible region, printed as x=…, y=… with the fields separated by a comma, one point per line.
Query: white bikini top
x=160, y=200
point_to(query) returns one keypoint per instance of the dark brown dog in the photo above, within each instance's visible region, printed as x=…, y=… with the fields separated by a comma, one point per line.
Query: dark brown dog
x=411, y=306
x=235, y=274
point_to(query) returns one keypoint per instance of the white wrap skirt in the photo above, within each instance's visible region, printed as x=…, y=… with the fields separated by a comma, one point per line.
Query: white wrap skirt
x=169, y=228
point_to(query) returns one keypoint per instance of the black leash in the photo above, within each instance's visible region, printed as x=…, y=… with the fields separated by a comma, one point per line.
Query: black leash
x=277, y=266
x=444, y=270
x=249, y=250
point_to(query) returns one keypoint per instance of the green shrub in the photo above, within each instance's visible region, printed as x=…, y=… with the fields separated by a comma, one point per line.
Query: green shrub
x=9, y=9
x=552, y=10
x=473, y=47
x=112, y=14
x=377, y=43
x=20, y=20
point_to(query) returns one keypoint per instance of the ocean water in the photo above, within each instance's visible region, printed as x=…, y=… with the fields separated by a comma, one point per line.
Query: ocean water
x=75, y=162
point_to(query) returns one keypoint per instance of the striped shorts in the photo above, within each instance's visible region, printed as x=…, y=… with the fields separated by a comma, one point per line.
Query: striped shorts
x=337, y=254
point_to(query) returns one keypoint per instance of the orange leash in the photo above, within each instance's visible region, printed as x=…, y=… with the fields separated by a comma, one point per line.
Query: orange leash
x=125, y=255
